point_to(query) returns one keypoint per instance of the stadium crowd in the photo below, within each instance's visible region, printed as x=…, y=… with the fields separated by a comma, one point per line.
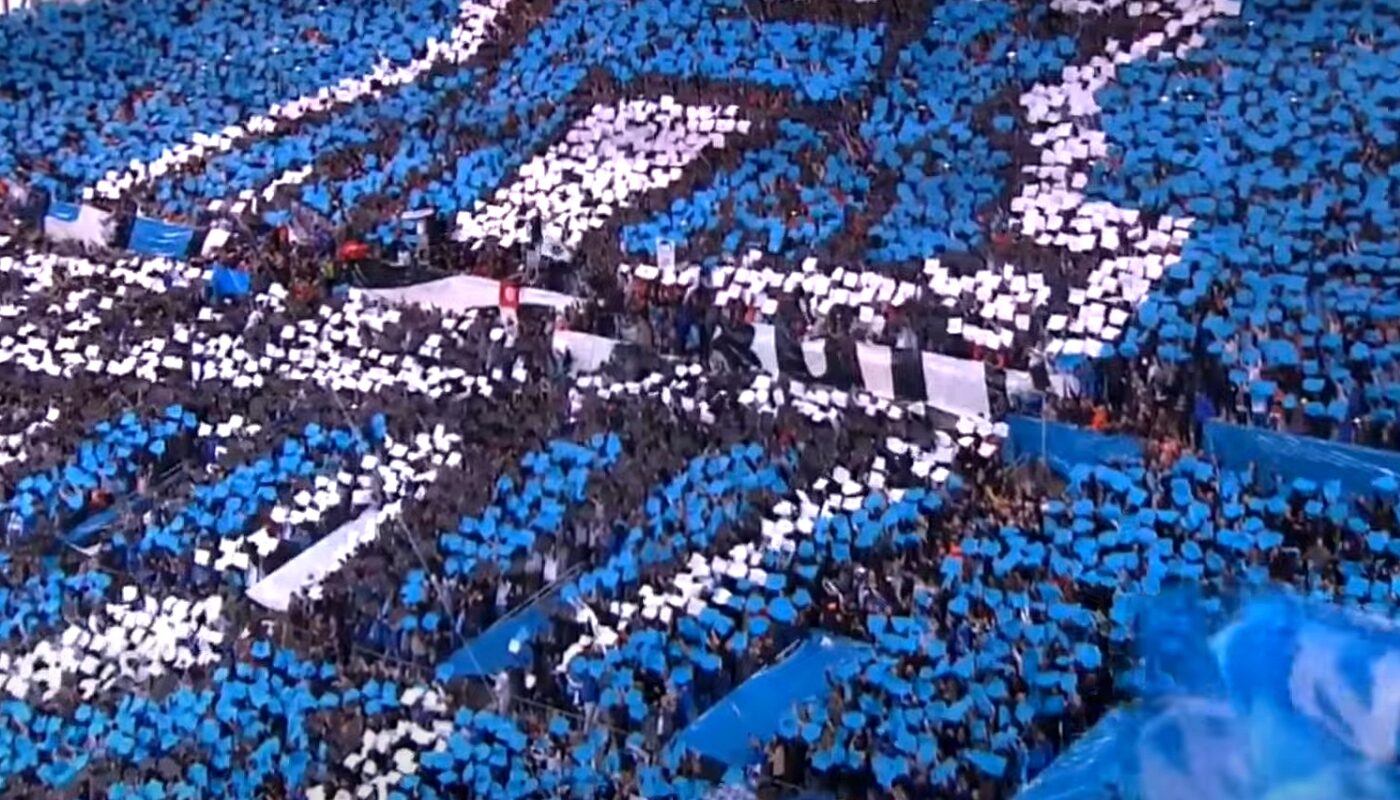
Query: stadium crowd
x=286, y=540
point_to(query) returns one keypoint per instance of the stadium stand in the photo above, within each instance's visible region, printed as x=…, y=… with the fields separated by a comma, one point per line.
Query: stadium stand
x=699, y=399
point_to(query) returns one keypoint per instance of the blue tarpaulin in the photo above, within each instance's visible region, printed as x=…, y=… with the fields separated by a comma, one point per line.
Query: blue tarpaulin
x=1063, y=445
x=756, y=708
x=491, y=652
x=229, y=283
x=1096, y=766
x=155, y=238
x=1294, y=457
x=64, y=212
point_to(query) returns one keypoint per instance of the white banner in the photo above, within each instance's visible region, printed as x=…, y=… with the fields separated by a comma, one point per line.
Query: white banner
x=589, y=352
x=765, y=347
x=814, y=356
x=313, y=564
x=217, y=238
x=876, y=368
x=76, y=223
x=462, y=292
x=665, y=254
x=956, y=384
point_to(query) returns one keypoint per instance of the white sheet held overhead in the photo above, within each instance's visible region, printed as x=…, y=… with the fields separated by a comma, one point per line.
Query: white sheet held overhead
x=463, y=292
x=78, y=223
x=589, y=352
x=311, y=566
x=876, y=368
x=765, y=347
x=956, y=384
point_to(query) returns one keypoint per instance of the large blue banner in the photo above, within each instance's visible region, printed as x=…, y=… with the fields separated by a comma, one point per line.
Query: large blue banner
x=1065, y=446
x=152, y=237
x=1359, y=469
x=755, y=710
x=229, y=283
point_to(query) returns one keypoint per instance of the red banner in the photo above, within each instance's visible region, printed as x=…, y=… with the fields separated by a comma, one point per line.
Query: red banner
x=510, y=296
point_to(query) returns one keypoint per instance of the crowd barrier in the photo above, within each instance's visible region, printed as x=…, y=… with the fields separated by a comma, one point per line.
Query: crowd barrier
x=954, y=385
x=589, y=352
x=465, y=292
x=462, y=292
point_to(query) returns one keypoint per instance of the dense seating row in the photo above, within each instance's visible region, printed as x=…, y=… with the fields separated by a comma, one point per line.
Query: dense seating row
x=1279, y=297
x=93, y=88
x=414, y=148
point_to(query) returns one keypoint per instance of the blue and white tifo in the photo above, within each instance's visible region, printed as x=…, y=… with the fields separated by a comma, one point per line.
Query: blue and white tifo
x=1291, y=699
x=901, y=399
